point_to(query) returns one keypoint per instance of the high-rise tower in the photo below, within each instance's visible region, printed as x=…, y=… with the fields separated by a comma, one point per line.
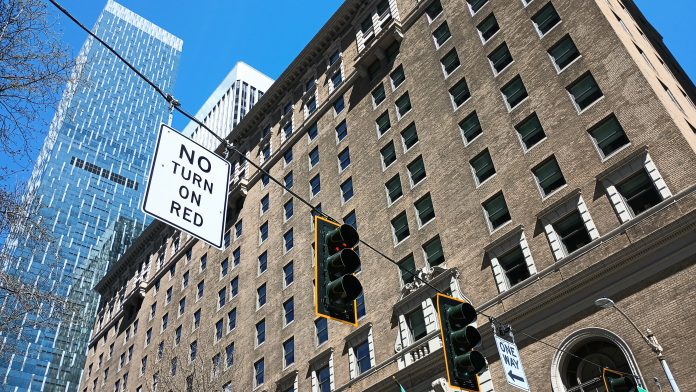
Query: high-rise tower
x=232, y=99
x=87, y=186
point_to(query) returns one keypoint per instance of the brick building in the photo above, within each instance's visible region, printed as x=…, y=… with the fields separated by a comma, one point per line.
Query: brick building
x=527, y=156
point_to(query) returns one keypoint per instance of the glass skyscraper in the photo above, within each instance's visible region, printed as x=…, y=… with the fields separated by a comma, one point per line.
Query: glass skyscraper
x=87, y=185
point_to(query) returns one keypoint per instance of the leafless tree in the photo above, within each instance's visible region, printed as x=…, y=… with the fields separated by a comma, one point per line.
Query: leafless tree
x=34, y=68
x=200, y=375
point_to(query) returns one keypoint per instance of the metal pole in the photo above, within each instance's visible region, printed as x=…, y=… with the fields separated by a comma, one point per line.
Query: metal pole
x=651, y=340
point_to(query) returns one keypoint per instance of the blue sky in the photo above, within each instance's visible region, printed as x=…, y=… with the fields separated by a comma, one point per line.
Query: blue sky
x=269, y=34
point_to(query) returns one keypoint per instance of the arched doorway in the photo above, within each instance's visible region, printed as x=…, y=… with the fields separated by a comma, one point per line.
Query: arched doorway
x=578, y=368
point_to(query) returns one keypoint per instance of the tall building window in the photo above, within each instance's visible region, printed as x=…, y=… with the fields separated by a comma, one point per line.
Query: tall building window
x=549, y=176
x=238, y=229
x=482, y=167
x=378, y=95
x=312, y=132
x=260, y=332
x=584, y=92
x=321, y=329
x=196, y=319
x=265, y=204
x=416, y=171
x=260, y=296
x=315, y=186
x=572, y=232
x=514, y=93
x=388, y=155
x=383, y=123
x=450, y=62
x=400, y=228
x=362, y=357
x=511, y=260
x=563, y=53
x=407, y=267
x=441, y=34
x=258, y=372
x=403, y=105
x=433, y=10
x=204, y=262
x=338, y=105
x=287, y=157
x=343, y=159
x=514, y=265
x=234, y=286
x=287, y=181
x=288, y=352
x=530, y=131
x=347, y=190
x=546, y=19
x=288, y=311
x=263, y=262
x=397, y=77
x=193, y=351
x=224, y=267
x=288, y=210
x=341, y=131
x=263, y=232
x=236, y=257
x=222, y=297
x=288, y=241
x=497, y=211
x=313, y=157
x=409, y=136
x=433, y=252
x=608, y=136
x=424, y=210
x=459, y=93
x=231, y=319
x=229, y=355
x=416, y=324
x=500, y=58
x=200, y=289
x=488, y=28
x=360, y=306
x=323, y=375
x=470, y=127
x=219, y=328
x=288, y=274
x=476, y=5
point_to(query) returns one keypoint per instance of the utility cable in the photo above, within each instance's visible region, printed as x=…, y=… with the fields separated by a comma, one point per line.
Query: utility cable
x=176, y=105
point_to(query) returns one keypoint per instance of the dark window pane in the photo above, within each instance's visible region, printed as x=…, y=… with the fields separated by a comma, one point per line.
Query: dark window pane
x=531, y=131
x=546, y=19
x=514, y=265
x=639, y=192
x=488, y=27
x=572, y=232
x=470, y=127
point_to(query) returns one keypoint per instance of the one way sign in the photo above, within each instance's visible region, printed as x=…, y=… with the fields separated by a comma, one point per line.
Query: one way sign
x=510, y=358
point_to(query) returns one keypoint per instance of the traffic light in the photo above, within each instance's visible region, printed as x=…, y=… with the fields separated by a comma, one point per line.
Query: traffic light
x=618, y=382
x=463, y=364
x=336, y=286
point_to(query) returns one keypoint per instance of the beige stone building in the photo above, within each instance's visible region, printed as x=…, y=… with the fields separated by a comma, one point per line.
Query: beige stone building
x=529, y=156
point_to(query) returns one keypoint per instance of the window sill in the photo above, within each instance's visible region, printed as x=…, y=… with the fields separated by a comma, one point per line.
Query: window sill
x=549, y=31
x=560, y=70
x=511, y=109
x=555, y=191
x=613, y=153
x=485, y=41
x=498, y=73
x=588, y=107
x=499, y=227
x=480, y=184
x=526, y=150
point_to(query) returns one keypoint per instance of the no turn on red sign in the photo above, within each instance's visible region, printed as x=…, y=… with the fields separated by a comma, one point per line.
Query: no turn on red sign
x=188, y=187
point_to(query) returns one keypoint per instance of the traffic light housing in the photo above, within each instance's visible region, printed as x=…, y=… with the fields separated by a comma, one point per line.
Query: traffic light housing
x=336, y=261
x=463, y=364
x=618, y=382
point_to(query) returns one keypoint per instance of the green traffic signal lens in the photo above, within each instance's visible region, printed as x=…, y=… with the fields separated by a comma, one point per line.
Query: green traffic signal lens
x=622, y=384
x=342, y=237
x=461, y=315
x=471, y=362
x=465, y=339
x=343, y=262
x=344, y=289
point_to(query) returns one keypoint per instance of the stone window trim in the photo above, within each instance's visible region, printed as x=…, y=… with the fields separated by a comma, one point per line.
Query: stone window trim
x=572, y=202
x=632, y=164
x=290, y=379
x=319, y=361
x=364, y=332
x=505, y=243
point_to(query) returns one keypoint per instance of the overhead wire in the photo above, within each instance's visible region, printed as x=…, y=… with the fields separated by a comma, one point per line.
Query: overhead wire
x=176, y=105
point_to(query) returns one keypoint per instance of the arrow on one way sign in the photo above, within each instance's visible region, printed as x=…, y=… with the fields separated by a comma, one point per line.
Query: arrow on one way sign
x=510, y=358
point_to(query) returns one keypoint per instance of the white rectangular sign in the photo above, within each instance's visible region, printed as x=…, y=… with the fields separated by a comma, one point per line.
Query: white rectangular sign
x=188, y=187
x=512, y=364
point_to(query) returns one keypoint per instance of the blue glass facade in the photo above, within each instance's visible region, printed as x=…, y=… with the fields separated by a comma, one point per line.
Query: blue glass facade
x=87, y=185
